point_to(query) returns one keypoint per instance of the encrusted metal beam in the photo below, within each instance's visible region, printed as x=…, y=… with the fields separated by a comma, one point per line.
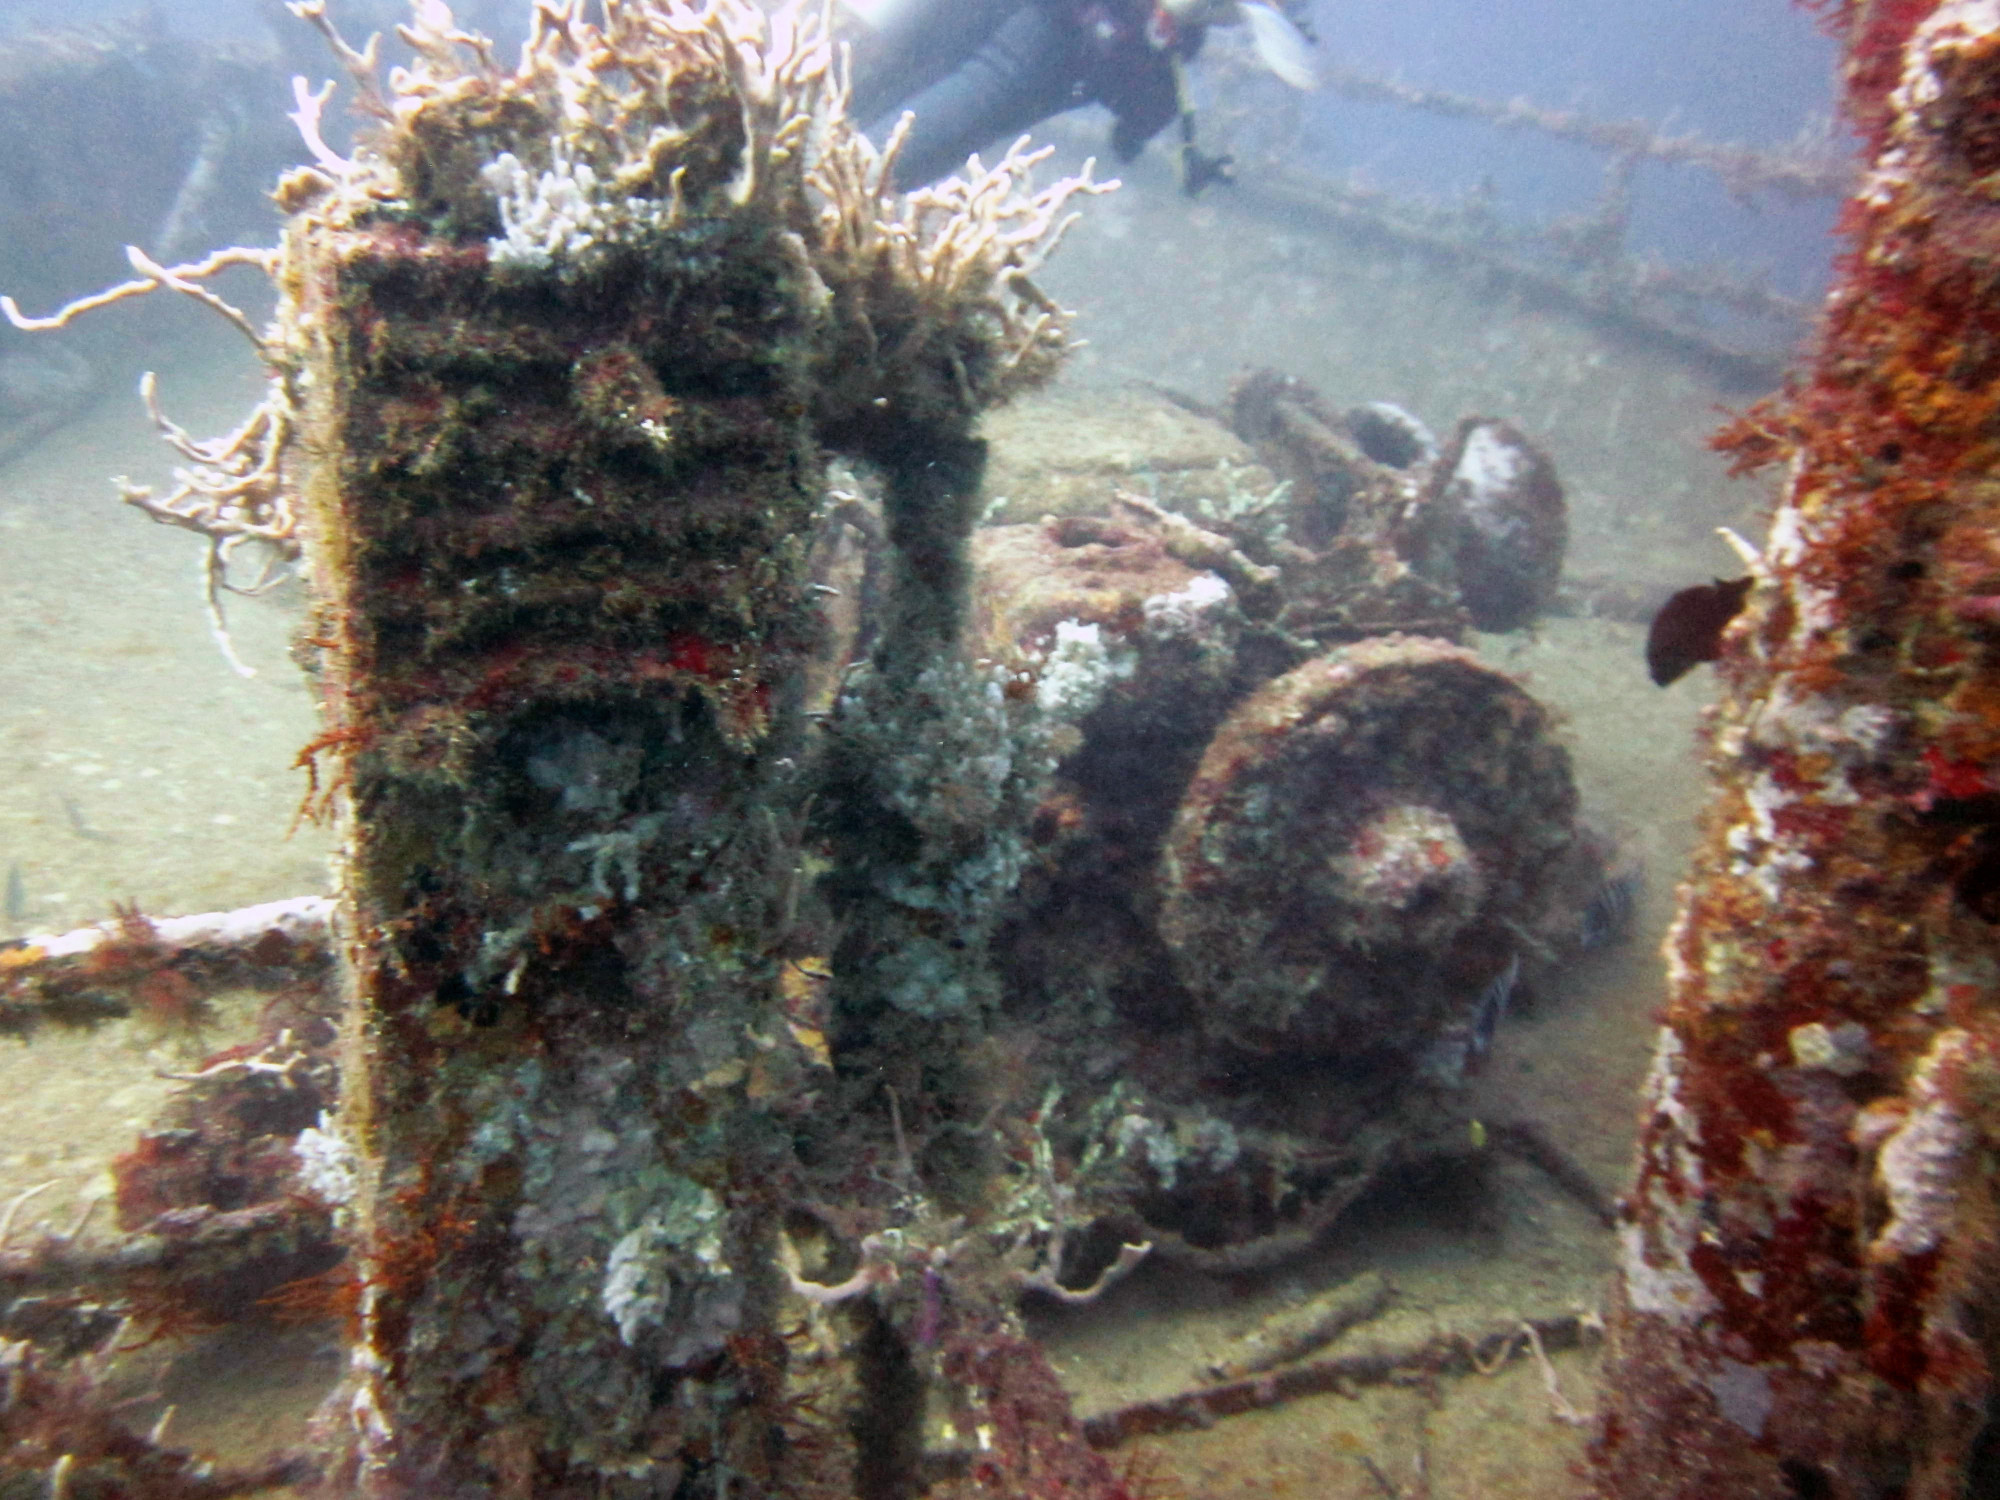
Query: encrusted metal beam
x=1810, y=1271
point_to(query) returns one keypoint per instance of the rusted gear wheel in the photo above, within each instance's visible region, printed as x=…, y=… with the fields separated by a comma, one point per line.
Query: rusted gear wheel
x=1371, y=845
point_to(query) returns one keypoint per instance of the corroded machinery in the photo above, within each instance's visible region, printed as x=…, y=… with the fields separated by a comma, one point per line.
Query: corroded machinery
x=1361, y=840
x=1806, y=1304
x=1301, y=846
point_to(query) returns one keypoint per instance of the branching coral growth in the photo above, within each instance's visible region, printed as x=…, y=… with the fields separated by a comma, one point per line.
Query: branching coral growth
x=965, y=249
x=605, y=132
x=232, y=492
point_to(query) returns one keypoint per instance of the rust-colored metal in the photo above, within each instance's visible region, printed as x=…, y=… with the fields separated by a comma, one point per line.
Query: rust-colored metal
x=1810, y=1266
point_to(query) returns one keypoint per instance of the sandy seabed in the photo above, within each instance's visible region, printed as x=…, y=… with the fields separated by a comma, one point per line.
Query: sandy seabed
x=136, y=767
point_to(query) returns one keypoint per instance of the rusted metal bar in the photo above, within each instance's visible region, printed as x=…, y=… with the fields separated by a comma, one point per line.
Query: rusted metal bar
x=1804, y=170
x=1639, y=299
x=161, y=968
x=1459, y=1352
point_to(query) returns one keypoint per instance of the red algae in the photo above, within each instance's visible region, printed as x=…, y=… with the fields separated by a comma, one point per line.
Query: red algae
x=1806, y=1299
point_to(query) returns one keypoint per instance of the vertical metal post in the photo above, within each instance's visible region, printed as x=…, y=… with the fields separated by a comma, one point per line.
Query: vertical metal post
x=559, y=563
x=1810, y=1268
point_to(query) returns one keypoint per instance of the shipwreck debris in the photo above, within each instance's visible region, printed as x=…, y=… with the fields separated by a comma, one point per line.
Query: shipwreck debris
x=1368, y=926
x=1806, y=1295
x=1292, y=1333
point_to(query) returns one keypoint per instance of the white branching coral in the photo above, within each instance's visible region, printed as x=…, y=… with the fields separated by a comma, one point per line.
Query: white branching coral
x=612, y=85
x=623, y=126
x=561, y=217
x=969, y=245
x=608, y=133
x=600, y=111
x=232, y=492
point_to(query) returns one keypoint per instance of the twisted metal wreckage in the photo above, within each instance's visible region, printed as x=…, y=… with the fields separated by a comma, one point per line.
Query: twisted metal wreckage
x=558, y=353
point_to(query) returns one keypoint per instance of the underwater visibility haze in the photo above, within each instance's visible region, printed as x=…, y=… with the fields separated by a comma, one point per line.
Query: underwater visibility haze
x=734, y=814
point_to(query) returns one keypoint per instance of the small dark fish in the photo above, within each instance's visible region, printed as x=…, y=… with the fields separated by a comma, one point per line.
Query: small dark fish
x=79, y=827
x=17, y=894
x=1492, y=1006
x=1608, y=917
x=1688, y=629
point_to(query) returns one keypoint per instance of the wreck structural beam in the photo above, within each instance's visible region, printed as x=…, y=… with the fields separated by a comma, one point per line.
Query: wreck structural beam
x=558, y=356
x=1810, y=1263
x=561, y=605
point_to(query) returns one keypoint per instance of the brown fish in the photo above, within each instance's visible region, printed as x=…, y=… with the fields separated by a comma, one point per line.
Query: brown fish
x=1688, y=629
